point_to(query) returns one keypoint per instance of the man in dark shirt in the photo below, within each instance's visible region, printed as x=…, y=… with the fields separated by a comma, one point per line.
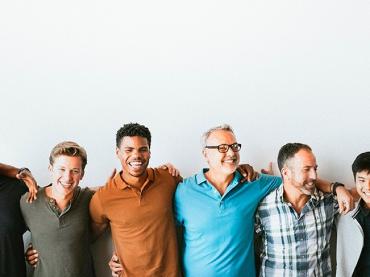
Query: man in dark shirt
x=353, y=240
x=13, y=183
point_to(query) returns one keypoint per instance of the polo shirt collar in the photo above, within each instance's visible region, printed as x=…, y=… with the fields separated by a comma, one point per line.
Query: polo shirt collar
x=201, y=178
x=121, y=184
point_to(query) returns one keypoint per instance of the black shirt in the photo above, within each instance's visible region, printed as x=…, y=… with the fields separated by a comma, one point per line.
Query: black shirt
x=363, y=264
x=12, y=227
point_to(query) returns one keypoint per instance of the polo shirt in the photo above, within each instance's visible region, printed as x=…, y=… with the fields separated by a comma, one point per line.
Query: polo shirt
x=142, y=223
x=61, y=238
x=218, y=230
x=363, y=218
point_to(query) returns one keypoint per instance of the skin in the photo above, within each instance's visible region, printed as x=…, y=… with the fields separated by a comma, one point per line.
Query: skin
x=134, y=155
x=65, y=173
x=362, y=180
x=299, y=175
x=222, y=166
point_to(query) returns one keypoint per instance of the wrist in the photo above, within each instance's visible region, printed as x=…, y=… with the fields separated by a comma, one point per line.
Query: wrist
x=334, y=187
x=23, y=169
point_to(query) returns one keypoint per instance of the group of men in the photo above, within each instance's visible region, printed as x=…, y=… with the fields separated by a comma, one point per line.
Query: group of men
x=216, y=213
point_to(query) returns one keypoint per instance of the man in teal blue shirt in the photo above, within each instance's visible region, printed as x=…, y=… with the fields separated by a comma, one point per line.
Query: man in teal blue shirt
x=216, y=211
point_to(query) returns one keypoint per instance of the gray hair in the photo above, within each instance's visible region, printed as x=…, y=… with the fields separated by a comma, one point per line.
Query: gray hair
x=223, y=127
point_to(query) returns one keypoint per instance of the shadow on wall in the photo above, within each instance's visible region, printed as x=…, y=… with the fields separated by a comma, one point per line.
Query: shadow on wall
x=101, y=251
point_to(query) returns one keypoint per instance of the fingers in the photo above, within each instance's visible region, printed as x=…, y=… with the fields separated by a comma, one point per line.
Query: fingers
x=268, y=170
x=112, y=175
x=31, y=256
x=171, y=169
x=115, y=266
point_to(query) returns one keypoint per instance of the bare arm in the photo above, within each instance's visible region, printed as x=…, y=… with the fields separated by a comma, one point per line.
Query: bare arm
x=25, y=175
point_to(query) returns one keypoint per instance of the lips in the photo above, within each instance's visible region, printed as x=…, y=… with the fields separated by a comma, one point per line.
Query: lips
x=136, y=164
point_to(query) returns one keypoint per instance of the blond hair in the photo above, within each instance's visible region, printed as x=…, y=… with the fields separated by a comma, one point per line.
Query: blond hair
x=68, y=148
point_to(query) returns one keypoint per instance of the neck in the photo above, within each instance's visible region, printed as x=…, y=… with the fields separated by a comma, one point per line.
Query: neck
x=62, y=200
x=295, y=197
x=135, y=181
x=218, y=180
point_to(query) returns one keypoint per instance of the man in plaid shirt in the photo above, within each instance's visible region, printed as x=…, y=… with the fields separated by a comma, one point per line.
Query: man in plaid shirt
x=295, y=220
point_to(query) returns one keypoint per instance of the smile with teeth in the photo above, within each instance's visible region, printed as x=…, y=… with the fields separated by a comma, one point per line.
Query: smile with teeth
x=367, y=193
x=136, y=164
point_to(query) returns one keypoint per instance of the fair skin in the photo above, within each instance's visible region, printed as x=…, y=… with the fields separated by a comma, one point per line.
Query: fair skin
x=222, y=166
x=300, y=179
x=299, y=175
x=363, y=186
x=66, y=173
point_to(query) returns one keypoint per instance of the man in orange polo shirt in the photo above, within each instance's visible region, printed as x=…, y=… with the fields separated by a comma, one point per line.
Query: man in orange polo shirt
x=137, y=203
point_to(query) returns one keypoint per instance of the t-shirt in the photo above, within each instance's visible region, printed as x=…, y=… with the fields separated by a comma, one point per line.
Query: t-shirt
x=61, y=239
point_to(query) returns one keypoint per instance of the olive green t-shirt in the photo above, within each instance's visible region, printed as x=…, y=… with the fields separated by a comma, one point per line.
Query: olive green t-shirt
x=61, y=238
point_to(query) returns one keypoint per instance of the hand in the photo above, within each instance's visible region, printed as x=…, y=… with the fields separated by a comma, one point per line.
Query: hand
x=27, y=178
x=115, y=266
x=268, y=170
x=112, y=175
x=31, y=256
x=248, y=172
x=345, y=200
x=171, y=169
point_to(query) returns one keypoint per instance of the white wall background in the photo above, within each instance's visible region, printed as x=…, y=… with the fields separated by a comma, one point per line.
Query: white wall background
x=277, y=71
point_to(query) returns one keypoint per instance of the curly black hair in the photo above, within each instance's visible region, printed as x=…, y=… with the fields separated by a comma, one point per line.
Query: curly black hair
x=133, y=130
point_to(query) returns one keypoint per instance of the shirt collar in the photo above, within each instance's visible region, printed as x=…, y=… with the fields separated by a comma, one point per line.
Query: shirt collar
x=364, y=209
x=121, y=184
x=200, y=177
x=315, y=197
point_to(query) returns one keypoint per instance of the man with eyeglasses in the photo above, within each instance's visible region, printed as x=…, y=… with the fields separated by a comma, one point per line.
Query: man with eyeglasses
x=215, y=211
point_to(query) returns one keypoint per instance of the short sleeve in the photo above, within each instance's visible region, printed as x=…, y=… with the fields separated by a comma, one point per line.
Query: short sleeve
x=177, y=205
x=96, y=209
x=268, y=183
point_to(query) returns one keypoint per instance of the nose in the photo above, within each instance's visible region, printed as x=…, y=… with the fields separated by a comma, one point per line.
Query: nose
x=67, y=177
x=313, y=174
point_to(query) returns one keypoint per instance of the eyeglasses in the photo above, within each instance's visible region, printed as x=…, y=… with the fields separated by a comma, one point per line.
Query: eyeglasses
x=223, y=148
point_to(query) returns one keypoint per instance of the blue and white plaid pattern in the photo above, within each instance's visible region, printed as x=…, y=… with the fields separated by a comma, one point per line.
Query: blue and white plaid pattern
x=296, y=244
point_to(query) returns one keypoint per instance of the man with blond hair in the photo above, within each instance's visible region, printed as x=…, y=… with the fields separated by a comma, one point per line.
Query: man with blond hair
x=59, y=218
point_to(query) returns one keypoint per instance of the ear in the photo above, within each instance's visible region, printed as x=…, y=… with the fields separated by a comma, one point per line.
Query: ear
x=117, y=152
x=50, y=168
x=285, y=172
x=82, y=174
x=205, y=154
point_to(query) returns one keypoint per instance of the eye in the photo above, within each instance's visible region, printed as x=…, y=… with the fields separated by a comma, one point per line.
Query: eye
x=144, y=150
x=75, y=172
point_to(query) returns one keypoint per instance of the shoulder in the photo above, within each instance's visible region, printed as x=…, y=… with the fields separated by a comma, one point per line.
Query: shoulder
x=162, y=175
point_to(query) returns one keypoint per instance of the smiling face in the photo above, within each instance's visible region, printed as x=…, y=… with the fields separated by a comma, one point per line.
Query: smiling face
x=225, y=163
x=300, y=172
x=66, y=173
x=134, y=155
x=362, y=180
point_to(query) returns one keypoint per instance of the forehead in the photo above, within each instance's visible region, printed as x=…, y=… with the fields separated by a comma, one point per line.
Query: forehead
x=304, y=158
x=68, y=161
x=221, y=137
x=135, y=141
x=363, y=174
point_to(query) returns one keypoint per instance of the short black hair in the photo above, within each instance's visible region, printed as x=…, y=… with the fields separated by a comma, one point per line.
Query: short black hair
x=288, y=151
x=361, y=163
x=133, y=130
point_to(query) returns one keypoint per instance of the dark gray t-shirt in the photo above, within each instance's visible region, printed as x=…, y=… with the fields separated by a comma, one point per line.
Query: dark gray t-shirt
x=61, y=239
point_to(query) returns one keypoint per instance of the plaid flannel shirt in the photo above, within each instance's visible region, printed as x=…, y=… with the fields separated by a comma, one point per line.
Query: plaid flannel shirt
x=296, y=244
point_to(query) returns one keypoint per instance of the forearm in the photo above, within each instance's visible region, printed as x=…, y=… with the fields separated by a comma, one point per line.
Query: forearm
x=324, y=185
x=8, y=170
